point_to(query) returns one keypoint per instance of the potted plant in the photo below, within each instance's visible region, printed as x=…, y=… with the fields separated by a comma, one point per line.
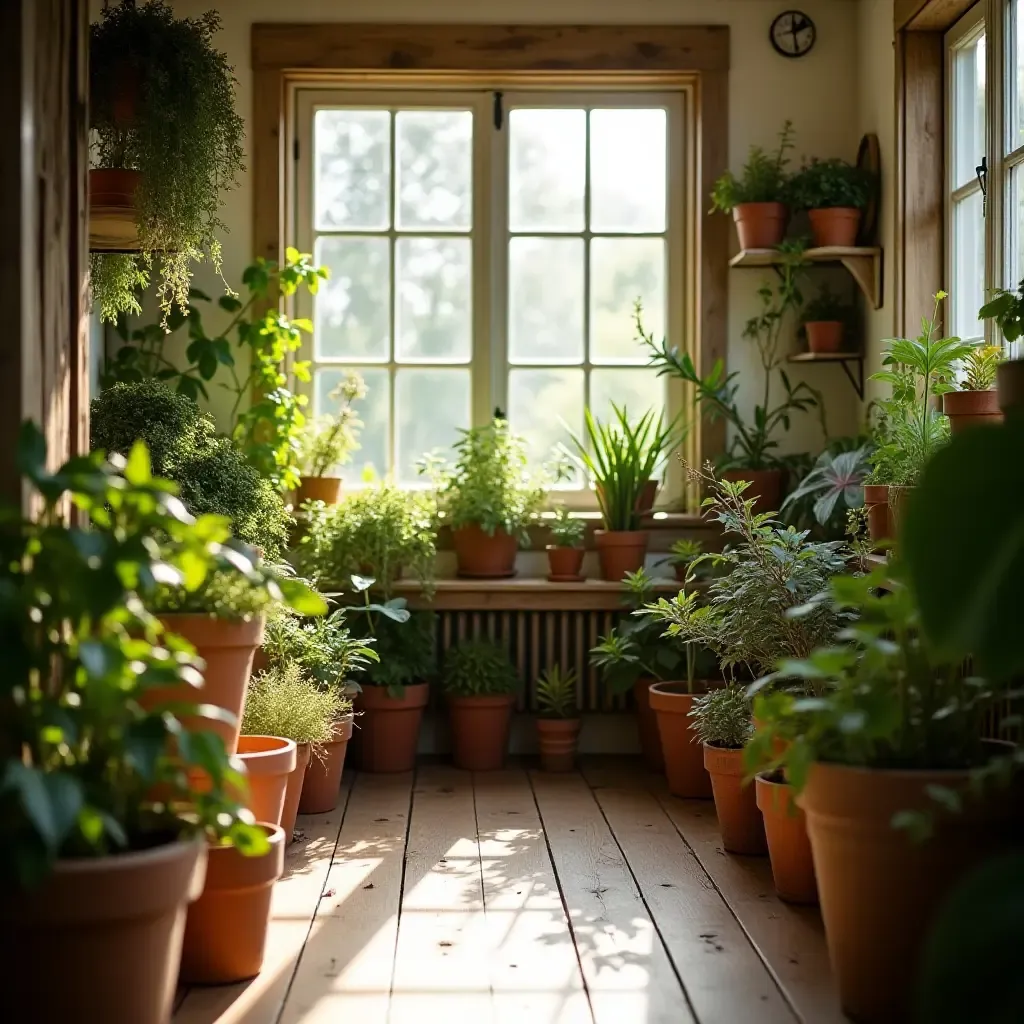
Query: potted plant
x=329, y=441
x=789, y=848
x=166, y=140
x=834, y=194
x=682, y=554
x=976, y=402
x=757, y=198
x=565, y=555
x=558, y=720
x=833, y=487
x=480, y=683
x=825, y=320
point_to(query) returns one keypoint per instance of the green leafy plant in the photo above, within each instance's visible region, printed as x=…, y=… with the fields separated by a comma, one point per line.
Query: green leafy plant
x=477, y=668
x=329, y=441
x=184, y=136
x=283, y=701
x=826, y=306
x=684, y=552
x=763, y=179
x=980, y=365
x=407, y=650
x=556, y=693
x=822, y=184
x=567, y=530
x=1006, y=310
x=721, y=718
x=835, y=484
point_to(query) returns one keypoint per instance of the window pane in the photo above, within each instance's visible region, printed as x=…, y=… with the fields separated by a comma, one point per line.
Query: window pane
x=968, y=292
x=353, y=169
x=350, y=311
x=1015, y=224
x=623, y=270
x=637, y=390
x=373, y=411
x=547, y=169
x=1015, y=99
x=545, y=300
x=968, y=110
x=543, y=405
x=627, y=170
x=430, y=407
x=435, y=169
x=434, y=302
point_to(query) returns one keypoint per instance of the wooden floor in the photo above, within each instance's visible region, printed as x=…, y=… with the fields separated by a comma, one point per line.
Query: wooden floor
x=525, y=898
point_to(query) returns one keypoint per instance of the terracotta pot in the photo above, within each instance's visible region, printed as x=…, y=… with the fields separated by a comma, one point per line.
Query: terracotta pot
x=323, y=776
x=564, y=564
x=269, y=762
x=739, y=820
x=480, y=727
x=228, y=649
x=788, y=846
x=484, y=557
x=898, y=498
x=293, y=790
x=620, y=551
x=647, y=724
x=112, y=212
x=557, y=737
x=99, y=940
x=824, y=335
x=760, y=225
x=837, y=225
x=1010, y=386
x=319, y=488
x=765, y=487
x=879, y=890
x=684, y=758
x=389, y=727
x=226, y=930
x=971, y=409
x=645, y=503
x=876, y=501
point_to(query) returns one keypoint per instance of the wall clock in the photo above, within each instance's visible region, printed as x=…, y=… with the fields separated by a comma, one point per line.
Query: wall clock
x=793, y=34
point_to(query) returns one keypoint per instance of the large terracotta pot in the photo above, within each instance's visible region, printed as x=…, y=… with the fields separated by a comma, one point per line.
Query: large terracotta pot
x=684, y=758
x=480, y=728
x=647, y=724
x=760, y=225
x=113, y=222
x=739, y=820
x=971, y=409
x=293, y=790
x=99, y=940
x=765, y=487
x=482, y=556
x=879, y=889
x=228, y=649
x=557, y=738
x=1010, y=386
x=645, y=503
x=824, y=336
x=788, y=846
x=836, y=225
x=319, y=488
x=269, y=763
x=389, y=727
x=898, y=498
x=876, y=501
x=564, y=564
x=226, y=930
x=620, y=551
x=323, y=776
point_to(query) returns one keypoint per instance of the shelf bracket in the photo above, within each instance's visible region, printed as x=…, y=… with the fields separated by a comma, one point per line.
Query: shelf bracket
x=867, y=272
x=858, y=381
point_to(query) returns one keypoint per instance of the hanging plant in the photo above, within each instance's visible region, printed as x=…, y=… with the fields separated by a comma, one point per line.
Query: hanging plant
x=162, y=105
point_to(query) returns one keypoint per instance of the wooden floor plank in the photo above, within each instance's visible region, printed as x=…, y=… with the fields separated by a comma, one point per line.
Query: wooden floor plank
x=345, y=970
x=725, y=979
x=441, y=969
x=535, y=974
x=627, y=970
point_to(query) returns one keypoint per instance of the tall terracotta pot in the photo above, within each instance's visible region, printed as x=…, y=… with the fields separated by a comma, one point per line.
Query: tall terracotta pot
x=879, y=890
x=113, y=223
x=389, y=727
x=684, y=757
x=788, y=846
x=645, y=503
x=824, y=336
x=765, y=487
x=323, y=776
x=647, y=724
x=834, y=226
x=226, y=930
x=557, y=738
x=739, y=820
x=482, y=556
x=564, y=564
x=971, y=409
x=269, y=763
x=319, y=488
x=480, y=728
x=293, y=790
x=876, y=501
x=99, y=940
x=760, y=225
x=620, y=551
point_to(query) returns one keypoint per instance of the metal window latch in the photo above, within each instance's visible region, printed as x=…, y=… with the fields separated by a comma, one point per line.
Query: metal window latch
x=982, y=172
x=499, y=111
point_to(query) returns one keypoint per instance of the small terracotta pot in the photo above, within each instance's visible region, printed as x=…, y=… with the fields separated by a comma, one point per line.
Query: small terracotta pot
x=303, y=753
x=739, y=820
x=269, y=762
x=876, y=501
x=684, y=758
x=765, y=487
x=824, y=335
x=836, y=225
x=226, y=930
x=788, y=846
x=971, y=409
x=558, y=737
x=564, y=564
x=879, y=890
x=760, y=225
x=323, y=776
x=480, y=728
x=647, y=724
x=319, y=488
x=99, y=940
x=481, y=556
x=389, y=727
x=620, y=551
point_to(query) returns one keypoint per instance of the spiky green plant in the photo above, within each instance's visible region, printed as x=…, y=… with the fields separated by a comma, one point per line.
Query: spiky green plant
x=556, y=693
x=980, y=366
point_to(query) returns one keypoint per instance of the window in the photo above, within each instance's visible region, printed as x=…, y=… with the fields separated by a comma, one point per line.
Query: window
x=485, y=251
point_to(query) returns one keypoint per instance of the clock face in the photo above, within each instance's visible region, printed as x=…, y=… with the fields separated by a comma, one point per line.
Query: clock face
x=793, y=33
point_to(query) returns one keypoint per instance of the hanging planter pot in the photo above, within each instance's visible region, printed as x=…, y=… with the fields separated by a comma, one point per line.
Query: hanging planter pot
x=113, y=214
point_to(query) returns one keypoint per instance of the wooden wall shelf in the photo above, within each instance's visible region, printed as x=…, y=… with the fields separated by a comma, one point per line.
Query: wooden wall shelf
x=844, y=359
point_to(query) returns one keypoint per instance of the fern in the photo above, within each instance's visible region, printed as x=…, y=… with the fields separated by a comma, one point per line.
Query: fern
x=556, y=693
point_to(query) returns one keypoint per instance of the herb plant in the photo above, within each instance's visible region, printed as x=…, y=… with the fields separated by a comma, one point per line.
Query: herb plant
x=283, y=701
x=556, y=693
x=822, y=184
x=478, y=668
x=329, y=440
x=763, y=180
x=721, y=718
x=567, y=530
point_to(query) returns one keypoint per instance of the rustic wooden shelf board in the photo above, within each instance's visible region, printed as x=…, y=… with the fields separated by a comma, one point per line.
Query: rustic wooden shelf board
x=842, y=358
